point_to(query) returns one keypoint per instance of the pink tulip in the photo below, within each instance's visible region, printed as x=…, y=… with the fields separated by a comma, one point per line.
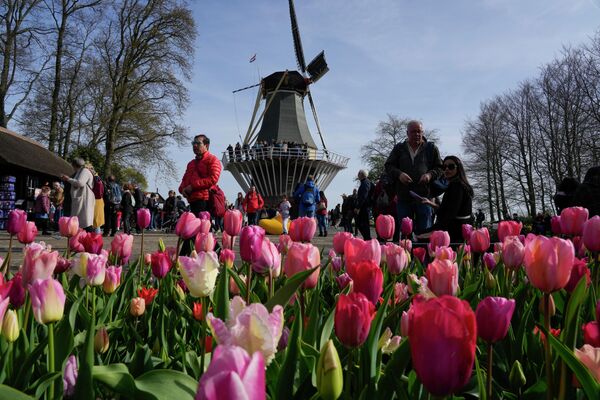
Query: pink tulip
x=302, y=257
x=205, y=225
x=556, y=225
x=227, y=241
x=160, y=263
x=38, y=263
x=493, y=316
x=513, y=252
x=397, y=258
x=591, y=333
x=227, y=257
x=343, y=280
x=400, y=292
x=232, y=222
x=466, y=230
x=509, y=228
x=122, y=246
x=233, y=374
x=442, y=277
x=336, y=263
x=205, y=242
x=489, y=261
x=4, y=301
x=548, y=262
x=578, y=246
x=75, y=243
x=143, y=218
x=303, y=229
x=70, y=377
x=27, y=233
x=269, y=259
x=385, y=226
x=187, y=226
x=47, y=300
x=438, y=239
x=241, y=329
x=367, y=279
x=251, y=239
x=590, y=357
x=591, y=234
x=406, y=244
x=404, y=324
x=572, y=220
x=62, y=265
x=233, y=287
x=357, y=250
x=92, y=242
x=204, y=215
x=445, y=253
x=16, y=222
x=285, y=241
x=406, y=226
x=112, y=279
x=579, y=271
x=480, y=240
x=68, y=226
x=339, y=241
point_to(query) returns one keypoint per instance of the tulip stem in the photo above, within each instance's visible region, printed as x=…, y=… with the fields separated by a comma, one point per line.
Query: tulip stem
x=348, y=380
x=271, y=284
x=547, y=346
x=489, y=369
x=93, y=302
x=27, y=311
x=6, y=269
x=142, y=253
x=51, y=357
x=68, y=253
x=203, y=302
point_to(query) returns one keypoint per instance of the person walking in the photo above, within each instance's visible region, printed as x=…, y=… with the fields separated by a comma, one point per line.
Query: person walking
x=112, y=202
x=239, y=205
x=362, y=205
x=253, y=203
x=284, y=211
x=82, y=195
x=42, y=209
x=308, y=198
x=322, y=214
x=98, y=189
x=127, y=207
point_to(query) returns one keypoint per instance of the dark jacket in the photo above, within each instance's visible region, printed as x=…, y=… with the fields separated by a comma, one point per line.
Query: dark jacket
x=454, y=211
x=427, y=160
x=362, y=196
x=126, y=203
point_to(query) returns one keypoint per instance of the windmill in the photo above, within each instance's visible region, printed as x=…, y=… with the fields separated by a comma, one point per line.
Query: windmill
x=282, y=153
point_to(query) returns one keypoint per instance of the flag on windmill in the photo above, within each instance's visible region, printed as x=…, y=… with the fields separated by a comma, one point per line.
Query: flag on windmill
x=253, y=58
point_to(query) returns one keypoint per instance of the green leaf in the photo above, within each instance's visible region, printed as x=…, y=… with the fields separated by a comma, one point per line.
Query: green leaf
x=63, y=345
x=84, y=388
x=116, y=377
x=481, y=380
x=285, y=383
x=222, y=295
x=372, y=343
x=42, y=384
x=327, y=329
x=165, y=384
x=6, y=392
x=285, y=293
x=585, y=378
x=314, y=320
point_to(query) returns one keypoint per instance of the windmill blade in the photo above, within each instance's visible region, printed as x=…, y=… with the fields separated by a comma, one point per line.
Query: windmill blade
x=245, y=88
x=314, y=111
x=317, y=67
x=296, y=36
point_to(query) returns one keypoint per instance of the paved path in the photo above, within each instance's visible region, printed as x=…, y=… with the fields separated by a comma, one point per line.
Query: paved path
x=150, y=243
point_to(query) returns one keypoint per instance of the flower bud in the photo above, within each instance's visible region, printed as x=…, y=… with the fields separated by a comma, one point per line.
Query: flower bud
x=137, y=306
x=101, y=341
x=490, y=280
x=10, y=326
x=330, y=380
x=542, y=307
x=516, y=377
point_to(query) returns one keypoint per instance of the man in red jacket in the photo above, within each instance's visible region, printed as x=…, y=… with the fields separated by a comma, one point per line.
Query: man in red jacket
x=253, y=202
x=201, y=174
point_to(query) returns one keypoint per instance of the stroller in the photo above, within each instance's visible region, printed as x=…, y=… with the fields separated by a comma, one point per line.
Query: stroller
x=169, y=222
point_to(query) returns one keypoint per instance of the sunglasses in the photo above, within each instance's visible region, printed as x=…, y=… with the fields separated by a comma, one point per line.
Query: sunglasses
x=450, y=167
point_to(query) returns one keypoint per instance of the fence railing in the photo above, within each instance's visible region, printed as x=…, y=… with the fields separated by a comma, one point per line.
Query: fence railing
x=272, y=152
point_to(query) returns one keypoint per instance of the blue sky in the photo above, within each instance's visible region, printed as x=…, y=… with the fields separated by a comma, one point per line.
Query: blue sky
x=431, y=60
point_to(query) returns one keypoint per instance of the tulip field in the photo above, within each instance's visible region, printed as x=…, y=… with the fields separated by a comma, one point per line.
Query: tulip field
x=504, y=315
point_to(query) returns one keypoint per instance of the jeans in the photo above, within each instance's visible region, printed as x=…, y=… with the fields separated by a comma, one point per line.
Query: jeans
x=307, y=212
x=421, y=214
x=322, y=225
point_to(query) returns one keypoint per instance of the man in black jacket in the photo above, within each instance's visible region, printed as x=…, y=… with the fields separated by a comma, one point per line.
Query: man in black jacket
x=414, y=164
x=362, y=205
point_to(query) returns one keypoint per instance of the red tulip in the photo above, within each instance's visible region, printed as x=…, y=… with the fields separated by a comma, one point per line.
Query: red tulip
x=442, y=277
x=148, y=294
x=143, y=218
x=572, y=220
x=197, y=311
x=339, y=240
x=579, y=271
x=68, y=226
x=303, y=229
x=555, y=225
x=92, y=242
x=513, y=252
x=548, y=262
x=419, y=253
x=591, y=234
x=27, y=233
x=509, y=228
x=187, y=226
x=227, y=257
x=406, y=226
x=15, y=290
x=443, y=338
x=438, y=239
x=62, y=264
x=466, y=230
x=232, y=222
x=205, y=242
x=368, y=280
x=251, y=239
x=493, y=318
x=480, y=240
x=356, y=250
x=302, y=257
x=161, y=263
x=385, y=226
x=591, y=333
x=122, y=246
x=353, y=316
x=16, y=222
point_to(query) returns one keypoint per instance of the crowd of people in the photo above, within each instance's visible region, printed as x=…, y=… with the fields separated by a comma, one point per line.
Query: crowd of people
x=266, y=149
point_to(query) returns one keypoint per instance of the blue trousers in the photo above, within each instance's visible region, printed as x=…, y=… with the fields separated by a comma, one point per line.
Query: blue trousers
x=421, y=214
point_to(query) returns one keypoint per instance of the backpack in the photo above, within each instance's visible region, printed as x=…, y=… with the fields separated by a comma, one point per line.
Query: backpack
x=113, y=193
x=216, y=201
x=98, y=188
x=308, y=197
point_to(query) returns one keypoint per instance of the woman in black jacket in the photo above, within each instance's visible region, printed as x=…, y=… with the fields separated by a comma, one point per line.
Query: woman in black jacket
x=127, y=206
x=456, y=207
